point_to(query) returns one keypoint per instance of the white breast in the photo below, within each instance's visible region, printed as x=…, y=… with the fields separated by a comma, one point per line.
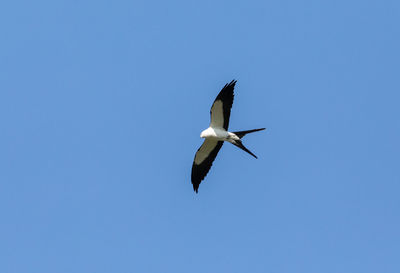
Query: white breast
x=217, y=133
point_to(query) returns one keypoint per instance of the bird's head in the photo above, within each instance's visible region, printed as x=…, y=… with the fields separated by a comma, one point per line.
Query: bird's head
x=205, y=133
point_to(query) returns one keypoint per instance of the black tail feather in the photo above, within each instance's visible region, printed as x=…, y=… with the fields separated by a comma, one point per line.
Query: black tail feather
x=241, y=134
x=238, y=143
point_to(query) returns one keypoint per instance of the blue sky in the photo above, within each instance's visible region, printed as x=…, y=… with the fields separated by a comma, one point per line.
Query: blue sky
x=102, y=104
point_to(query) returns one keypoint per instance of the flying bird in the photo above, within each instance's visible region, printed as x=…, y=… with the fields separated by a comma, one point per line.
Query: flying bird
x=216, y=134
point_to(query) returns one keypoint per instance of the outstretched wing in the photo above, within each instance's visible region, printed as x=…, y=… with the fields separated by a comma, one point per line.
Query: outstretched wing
x=203, y=160
x=221, y=108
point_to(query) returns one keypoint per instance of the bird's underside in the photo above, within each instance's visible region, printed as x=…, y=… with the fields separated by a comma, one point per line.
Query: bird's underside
x=216, y=134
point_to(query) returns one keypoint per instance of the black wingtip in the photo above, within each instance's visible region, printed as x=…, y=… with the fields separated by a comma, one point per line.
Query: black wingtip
x=232, y=83
x=196, y=188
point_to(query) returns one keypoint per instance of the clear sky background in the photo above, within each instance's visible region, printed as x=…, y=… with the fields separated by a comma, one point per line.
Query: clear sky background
x=101, y=108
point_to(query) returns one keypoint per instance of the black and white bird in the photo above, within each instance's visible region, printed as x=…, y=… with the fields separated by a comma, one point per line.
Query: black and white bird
x=216, y=134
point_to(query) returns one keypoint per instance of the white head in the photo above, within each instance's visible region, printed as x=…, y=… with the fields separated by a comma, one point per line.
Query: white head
x=206, y=133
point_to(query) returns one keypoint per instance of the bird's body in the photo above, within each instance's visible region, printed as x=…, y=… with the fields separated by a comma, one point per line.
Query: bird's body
x=216, y=134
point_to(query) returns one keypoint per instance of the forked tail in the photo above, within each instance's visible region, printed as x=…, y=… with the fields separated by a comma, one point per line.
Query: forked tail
x=238, y=143
x=241, y=134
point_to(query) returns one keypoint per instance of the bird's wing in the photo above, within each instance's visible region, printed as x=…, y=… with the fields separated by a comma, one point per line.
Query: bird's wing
x=221, y=108
x=203, y=160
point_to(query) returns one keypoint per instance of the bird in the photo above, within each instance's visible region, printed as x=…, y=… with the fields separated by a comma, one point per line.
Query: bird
x=215, y=135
